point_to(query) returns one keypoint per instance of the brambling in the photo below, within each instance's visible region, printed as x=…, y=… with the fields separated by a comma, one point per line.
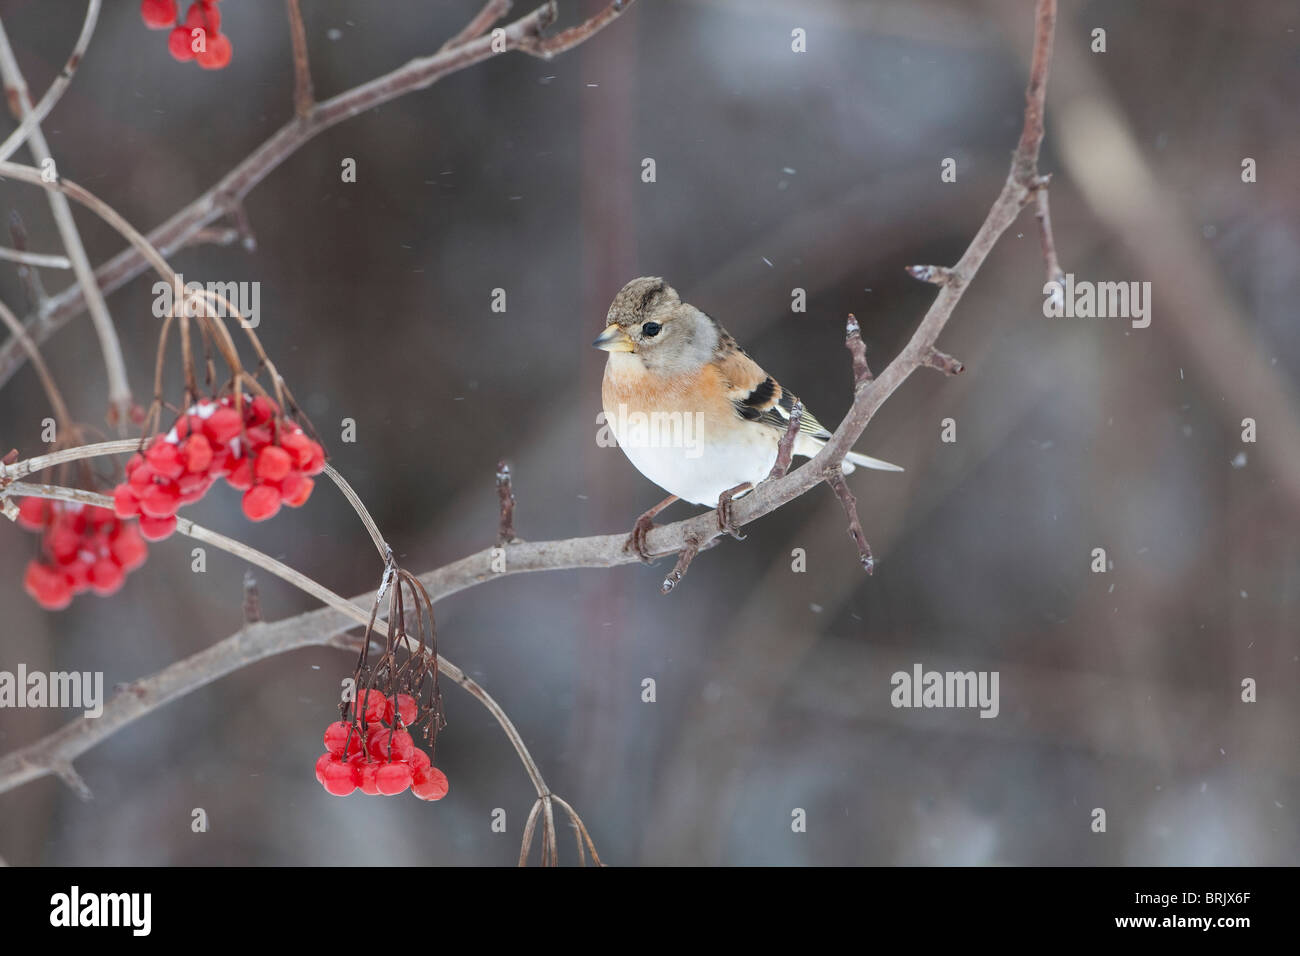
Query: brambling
x=690, y=409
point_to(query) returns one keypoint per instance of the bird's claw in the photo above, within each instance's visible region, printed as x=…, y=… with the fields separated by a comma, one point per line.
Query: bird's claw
x=725, y=522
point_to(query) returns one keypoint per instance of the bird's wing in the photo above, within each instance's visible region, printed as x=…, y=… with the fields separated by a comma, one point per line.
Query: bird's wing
x=757, y=396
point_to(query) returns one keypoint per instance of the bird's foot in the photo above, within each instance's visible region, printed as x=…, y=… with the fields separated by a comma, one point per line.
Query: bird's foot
x=725, y=522
x=636, y=541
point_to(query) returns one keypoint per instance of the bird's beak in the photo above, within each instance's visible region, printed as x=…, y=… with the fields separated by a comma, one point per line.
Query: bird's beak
x=613, y=339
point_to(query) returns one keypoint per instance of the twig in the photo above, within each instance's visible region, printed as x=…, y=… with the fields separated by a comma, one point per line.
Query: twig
x=506, y=494
x=785, y=449
x=385, y=552
x=119, y=390
x=547, y=47
x=1044, y=216
x=52, y=95
x=42, y=371
x=30, y=278
x=943, y=362
x=225, y=195
x=302, y=92
x=492, y=11
x=35, y=258
x=841, y=488
x=688, y=553
x=858, y=349
x=252, y=599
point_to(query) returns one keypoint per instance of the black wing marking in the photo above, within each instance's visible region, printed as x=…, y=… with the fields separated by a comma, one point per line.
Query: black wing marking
x=770, y=404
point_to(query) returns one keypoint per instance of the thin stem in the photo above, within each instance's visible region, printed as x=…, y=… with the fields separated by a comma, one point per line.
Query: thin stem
x=385, y=552
x=119, y=390
x=225, y=196
x=303, y=99
x=42, y=371
x=41, y=260
x=52, y=95
x=10, y=772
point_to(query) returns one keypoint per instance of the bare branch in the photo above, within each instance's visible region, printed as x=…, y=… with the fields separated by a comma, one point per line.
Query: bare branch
x=506, y=526
x=224, y=196
x=943, y=362
x=1044, y=216
x=850, y=503
x=547, y=47
x=52, y=95
x=35, y=259
x=858, y=349
x=492, y=11
x=119, y=390
x=785, y=449
x=302, y=92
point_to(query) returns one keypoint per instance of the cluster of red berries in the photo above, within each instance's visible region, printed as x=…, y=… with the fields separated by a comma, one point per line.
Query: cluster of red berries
x=83, y=548
x=266, y=456
x=379, y=759
x=203, y=16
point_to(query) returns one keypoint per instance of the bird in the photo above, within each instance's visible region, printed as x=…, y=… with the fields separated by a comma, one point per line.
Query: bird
x=689, y=407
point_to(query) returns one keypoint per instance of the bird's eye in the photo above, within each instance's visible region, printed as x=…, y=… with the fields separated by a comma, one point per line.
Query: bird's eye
x=650, y=329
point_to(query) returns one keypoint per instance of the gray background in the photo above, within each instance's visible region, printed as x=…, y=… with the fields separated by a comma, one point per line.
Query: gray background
x=1118, y=690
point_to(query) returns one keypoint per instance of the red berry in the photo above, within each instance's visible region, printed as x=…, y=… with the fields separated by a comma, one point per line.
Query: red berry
x=273, y=463
x=336, y=736
x=298, y=445
x=374, y=706
x=241, y=476
x=47, y=585
x=77, y=574
x=141, y=477
x=178, y=44
x=401, y=743
x=366, y=771
x=393, y=778
x=158, y=14
x=156, y=529
x=193, y=487
x=165, y=459
x=261, y=410
x=406, y=707
x=218, y=54
x=204, y=14
x=223, y=425
x=261, y=502
x=430, y=784
x=125, y=504
x=295, y=489
x=62, y=541
x=418, y=760
x=128, y=548
x=160, y=500
x=106, y=577
x=32, y=513
x=196, y=454
x=322, y=762
x=339, y=778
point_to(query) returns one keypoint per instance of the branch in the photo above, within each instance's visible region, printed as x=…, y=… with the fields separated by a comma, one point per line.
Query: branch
x=302, y=92
x=52, y=95
x=506, y=494
x=119, y=390
x=225, y=196
x=34, y=258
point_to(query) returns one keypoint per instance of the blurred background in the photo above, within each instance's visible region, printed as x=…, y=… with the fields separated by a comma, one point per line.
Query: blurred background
x=775, y=170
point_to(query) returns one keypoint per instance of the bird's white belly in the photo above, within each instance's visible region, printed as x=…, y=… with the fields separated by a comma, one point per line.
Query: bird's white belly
x=699, y=469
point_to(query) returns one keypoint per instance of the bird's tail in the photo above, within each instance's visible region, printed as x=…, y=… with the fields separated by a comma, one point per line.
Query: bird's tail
x=866, y=461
